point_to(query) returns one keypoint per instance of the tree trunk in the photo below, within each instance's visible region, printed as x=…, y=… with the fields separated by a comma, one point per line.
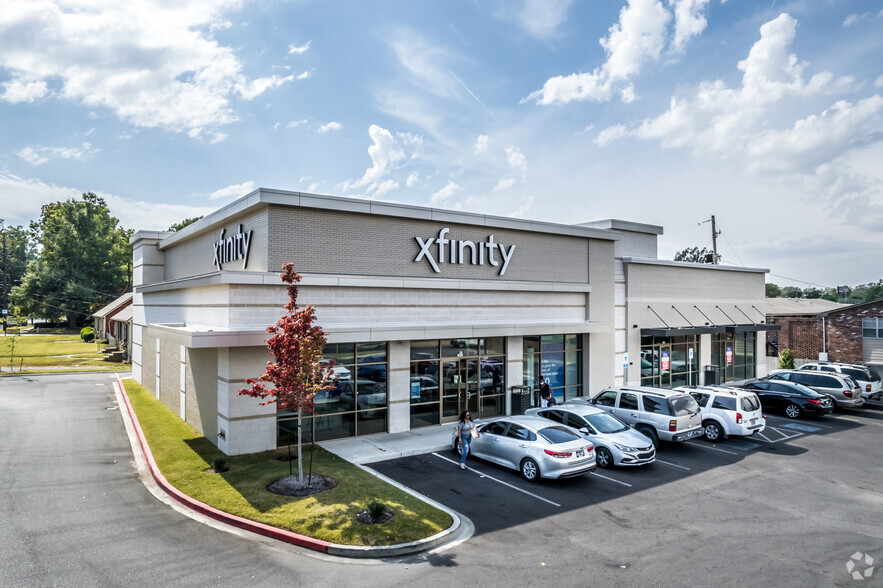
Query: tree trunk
x=72, y=321
x=300, y=467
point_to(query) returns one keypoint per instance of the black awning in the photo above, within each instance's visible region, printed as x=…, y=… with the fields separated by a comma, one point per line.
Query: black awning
x=752, y=328
x=680, y=331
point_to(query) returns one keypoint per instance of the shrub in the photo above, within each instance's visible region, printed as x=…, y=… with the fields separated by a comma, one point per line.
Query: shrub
x=87, y=334
x=219, y=465
x=787, y=361
x=376, y=509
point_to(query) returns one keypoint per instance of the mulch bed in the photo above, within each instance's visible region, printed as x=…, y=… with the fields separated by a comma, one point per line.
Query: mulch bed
x=291, y=486
x=365, y=517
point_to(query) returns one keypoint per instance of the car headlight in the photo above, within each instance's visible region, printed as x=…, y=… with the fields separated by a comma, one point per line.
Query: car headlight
x=626, y=448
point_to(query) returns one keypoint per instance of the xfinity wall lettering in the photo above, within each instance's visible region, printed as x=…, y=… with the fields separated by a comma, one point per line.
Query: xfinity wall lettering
x=232, y=248
x=438, y=250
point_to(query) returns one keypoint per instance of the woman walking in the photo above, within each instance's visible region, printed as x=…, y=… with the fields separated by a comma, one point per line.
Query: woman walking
x=467, y=430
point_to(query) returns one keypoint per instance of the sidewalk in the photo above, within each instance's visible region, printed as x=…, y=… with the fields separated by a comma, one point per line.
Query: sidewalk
x=384, y=446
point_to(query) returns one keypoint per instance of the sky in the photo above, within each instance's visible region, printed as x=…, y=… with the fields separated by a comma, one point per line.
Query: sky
x=766, y=114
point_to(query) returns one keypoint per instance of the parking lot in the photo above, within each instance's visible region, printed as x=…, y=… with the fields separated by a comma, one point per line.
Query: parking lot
x=808, y=490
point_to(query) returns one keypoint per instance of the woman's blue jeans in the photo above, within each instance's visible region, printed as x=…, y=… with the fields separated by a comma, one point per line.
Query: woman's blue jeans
x=467, y=440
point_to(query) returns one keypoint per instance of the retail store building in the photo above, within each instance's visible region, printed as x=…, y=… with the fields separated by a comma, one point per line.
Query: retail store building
x=428, y=312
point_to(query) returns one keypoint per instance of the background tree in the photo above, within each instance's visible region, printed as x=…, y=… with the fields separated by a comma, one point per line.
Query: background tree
x=792, y=292
x=19, y=252
x=787, y=360
x=812, y=293
x=84, y=260
x=297, y=374
x=186, y=222
x=773, y=291
x=695, y=255
x=868, y=292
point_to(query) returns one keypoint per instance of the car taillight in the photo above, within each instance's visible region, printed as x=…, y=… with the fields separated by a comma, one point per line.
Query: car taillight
x=867, y=387
x=590, y=447
x=847, y=393
x=672, y=425
x=814, y=401
x=558, y=453
x=738, y=418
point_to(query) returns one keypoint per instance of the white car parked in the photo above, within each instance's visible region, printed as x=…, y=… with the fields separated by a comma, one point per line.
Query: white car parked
x=727, y=411
x=615, y=442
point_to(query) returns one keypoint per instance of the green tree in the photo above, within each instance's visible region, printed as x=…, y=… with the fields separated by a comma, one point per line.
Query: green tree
x=869, y=292
x=19, y=250
x=696, y=255
x=787, y=360
x=812, y=293
x=792, y=292
x=773, y=291
x=84, y=260
x=186, y=222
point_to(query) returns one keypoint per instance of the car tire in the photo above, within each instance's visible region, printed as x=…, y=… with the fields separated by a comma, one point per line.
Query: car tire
x=530, y=470
x=457, y=447
x=650, y=433
x=603, y=457
x=792, y=411
x=714, y=432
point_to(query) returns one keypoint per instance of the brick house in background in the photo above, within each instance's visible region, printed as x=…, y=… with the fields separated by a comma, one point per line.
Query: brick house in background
x=820, y=329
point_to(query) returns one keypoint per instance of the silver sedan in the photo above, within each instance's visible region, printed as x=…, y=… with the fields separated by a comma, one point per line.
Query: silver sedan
x=534, y=446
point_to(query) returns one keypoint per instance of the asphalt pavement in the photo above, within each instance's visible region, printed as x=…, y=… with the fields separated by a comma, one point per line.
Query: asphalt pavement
x=789, y=511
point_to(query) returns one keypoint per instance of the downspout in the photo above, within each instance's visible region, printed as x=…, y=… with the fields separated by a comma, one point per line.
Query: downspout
x=824, y=337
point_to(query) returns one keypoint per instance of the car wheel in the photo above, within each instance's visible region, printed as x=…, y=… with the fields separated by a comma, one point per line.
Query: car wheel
x=651, y=434
x=457, y=446
x=792, y=411
x=713, y=431
x=530, y=471
x=603, y=457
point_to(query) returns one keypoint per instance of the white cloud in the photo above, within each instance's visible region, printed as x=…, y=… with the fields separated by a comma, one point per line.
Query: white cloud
x=517, y=160
x=539, y=18
x=232, y=191
x=292, y=124
x=689, y=21
x=482, y=143
x=385, y=153
x=628, y=94
x=878, y=83
x=441, y=197
x=638, y=37
x=41, y=155
x=299, y=49
x=150, y=62
x=524, y=208
x=610, y=134
x=22, y=89
x=304, y=75
x=504, y=184
x=426, y=64
x=385, y=186
x=413, y=179
x=332, y=126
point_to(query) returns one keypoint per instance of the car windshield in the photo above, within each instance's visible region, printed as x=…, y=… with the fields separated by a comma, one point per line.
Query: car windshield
x=606, y=423
x=556, y=435
x=684, y=405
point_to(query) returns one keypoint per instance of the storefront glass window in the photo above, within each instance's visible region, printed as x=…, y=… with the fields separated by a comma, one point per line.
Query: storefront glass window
x=545, y=356
x=665, y=361
x=734, y=356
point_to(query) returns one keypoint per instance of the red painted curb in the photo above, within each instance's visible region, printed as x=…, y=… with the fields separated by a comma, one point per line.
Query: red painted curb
x=201, y=507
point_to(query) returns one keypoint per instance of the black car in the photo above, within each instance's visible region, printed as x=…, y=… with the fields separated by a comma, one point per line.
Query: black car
x=795, y=400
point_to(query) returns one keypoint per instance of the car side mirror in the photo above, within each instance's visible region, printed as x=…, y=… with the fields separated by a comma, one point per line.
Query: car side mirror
x=584, y=430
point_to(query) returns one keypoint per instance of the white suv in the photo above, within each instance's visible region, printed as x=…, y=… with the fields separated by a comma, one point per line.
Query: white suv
x=871, y=387
x=727, y=411
x=657, y=413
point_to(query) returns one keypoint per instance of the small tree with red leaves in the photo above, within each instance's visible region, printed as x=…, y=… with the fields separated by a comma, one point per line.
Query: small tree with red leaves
x=297, y=375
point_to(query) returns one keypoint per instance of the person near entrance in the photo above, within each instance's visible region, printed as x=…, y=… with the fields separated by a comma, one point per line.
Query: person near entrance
x=467, y=432
x=546, y=398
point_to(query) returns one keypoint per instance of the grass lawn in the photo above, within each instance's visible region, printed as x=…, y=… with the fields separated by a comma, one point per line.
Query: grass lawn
x=183, y=455
x=61, y=351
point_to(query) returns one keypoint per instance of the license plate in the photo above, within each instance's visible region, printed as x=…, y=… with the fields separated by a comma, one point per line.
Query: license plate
x=580, y=452
x=753, y=421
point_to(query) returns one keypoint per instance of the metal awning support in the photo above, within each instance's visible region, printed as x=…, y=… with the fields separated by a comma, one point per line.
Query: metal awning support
x=762, y=315
x=657, y=316
x=725, y=314
x=682, y=316
x=743, y=314
x=703, y=314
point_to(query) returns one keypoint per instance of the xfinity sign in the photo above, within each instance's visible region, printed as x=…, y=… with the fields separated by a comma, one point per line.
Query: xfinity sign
x=437, y=250
x=231, y=248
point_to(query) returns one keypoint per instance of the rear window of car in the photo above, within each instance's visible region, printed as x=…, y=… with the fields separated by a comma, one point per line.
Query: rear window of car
x=855, y=374
x=556, y=435
x=684, y=405
x=750, y=403
x=724, y=402
x=657, y=405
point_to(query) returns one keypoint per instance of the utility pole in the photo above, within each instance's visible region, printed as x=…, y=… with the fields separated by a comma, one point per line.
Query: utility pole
x=714, y=234
x=5, y=306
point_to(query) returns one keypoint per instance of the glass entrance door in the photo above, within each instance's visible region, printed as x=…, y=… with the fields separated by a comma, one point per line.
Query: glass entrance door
x=460, y=382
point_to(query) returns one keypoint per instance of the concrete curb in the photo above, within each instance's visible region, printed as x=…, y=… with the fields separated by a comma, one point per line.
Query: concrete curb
x=353, y=551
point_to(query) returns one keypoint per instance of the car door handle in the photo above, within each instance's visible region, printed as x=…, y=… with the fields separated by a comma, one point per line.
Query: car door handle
x=522, y=445
x=634, y=414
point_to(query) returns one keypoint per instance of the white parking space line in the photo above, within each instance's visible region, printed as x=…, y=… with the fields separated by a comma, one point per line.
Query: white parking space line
x=785, y=435
x=499, y=481
x=674, y=465
x=712, y=448
x=610, y=479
